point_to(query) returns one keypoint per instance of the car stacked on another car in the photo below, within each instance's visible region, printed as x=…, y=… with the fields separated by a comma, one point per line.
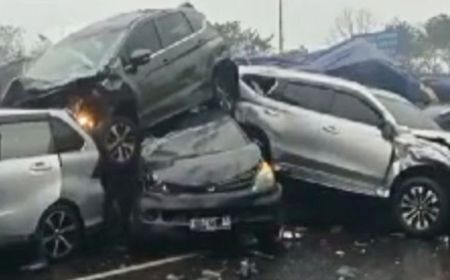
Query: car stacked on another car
x=50, y=192
x=204, y=177
x=130, y=71
x=346, y=136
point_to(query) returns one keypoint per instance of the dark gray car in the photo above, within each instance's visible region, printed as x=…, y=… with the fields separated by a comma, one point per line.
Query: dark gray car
x=346, y=136
x=204, y=177
x=134, y=69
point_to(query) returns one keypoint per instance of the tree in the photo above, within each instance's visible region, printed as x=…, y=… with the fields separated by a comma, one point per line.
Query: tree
x=352, y=22
x=243, y=40
x=11, y=43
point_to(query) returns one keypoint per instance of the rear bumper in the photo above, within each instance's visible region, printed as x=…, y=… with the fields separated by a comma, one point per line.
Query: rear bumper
x=157, y=212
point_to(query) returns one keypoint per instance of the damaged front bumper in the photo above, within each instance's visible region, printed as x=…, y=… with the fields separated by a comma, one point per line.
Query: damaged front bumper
x=155, y=212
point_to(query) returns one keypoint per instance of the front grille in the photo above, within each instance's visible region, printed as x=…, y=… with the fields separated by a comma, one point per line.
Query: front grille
x=244, y=181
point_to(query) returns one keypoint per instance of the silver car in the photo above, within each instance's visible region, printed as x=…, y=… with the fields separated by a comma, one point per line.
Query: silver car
x=50, y=192
x=343, y=135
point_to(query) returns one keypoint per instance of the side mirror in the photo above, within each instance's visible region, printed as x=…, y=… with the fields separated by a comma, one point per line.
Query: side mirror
x=140, y=57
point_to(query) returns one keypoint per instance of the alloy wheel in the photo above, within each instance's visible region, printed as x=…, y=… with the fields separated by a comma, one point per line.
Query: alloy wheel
x=59, y=235
x=120, y=142
x=420, y=208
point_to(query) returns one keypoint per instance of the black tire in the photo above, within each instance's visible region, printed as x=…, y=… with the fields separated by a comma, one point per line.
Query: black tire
x=59, y=232
x=119, y=142
x=421, y=206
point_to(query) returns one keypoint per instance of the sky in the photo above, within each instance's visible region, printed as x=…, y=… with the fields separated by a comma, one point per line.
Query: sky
x=307, y=22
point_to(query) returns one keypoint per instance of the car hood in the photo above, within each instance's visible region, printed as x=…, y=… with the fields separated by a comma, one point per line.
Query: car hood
x=201, y=170
x=23, y=90
x=436, y=136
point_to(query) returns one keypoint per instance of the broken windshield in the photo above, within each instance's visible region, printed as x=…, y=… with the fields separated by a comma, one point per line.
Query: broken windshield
x=75, y=56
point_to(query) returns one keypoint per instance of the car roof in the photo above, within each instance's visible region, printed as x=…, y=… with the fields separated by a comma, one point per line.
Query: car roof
x=117, y=22
x=276, y=72
x=121, y=21
x=388, y=94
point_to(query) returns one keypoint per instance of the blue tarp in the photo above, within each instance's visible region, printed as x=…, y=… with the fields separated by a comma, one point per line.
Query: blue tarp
x=355, y=60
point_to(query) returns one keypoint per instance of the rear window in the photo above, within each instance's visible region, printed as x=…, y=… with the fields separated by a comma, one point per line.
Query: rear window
x=313, y=98
x=66, y=139
x=172, y=28
x=218, y=136
x=25, y=139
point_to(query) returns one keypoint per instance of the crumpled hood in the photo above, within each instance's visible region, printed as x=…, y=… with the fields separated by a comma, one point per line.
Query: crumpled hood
x=436, y=136
x=24, y=90
x=425, y=146
x=207, y=169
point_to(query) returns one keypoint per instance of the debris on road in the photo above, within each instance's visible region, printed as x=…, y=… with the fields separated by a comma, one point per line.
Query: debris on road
x=340, y=253
x=247, y=269
x=211, y=275
x=263, y=255
x=336, y=229
x=360, y=244
x=444, y=240
x=175, y=277
x=398, y=234
x=35, y=266
x=347, y=272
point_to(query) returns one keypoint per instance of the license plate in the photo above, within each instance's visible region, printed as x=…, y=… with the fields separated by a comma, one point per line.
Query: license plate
x=211, y=224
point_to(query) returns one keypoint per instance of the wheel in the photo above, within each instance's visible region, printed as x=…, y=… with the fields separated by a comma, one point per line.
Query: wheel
x=59, y=232
x=421, y=206
x=119, y=142
x=222, y=97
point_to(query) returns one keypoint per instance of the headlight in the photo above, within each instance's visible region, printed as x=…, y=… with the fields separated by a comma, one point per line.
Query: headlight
x=85, y=120
x=265, y=179
x=151, y=184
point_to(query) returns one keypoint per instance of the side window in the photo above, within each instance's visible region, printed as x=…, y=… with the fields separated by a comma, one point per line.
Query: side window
x=144, y=36
x=25, y=139
x=196, y=19
x=309, y=97
x=172, y=28
x=351, y=108
x=66, y=138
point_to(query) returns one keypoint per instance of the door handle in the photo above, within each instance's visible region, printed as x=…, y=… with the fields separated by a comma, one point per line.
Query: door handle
x=331, y=129
x=40, y=167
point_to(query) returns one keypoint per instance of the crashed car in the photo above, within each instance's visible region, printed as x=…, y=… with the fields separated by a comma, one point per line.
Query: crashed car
x=440, y=113
x=343, y=135
x=50, y=193
x=127, y=72
x=206, y=177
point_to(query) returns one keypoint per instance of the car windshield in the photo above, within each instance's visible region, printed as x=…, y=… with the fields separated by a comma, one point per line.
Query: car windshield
x=74, y=56
x=406, y=114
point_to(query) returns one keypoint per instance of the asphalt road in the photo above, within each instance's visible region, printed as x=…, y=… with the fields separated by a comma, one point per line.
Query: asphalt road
x=327, y=236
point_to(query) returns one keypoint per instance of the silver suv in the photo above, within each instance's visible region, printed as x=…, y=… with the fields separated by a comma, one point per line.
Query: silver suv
x=346, y=136
x=49, y=190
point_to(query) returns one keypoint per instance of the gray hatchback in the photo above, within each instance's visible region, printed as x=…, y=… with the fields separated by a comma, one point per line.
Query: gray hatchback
x=49, y=189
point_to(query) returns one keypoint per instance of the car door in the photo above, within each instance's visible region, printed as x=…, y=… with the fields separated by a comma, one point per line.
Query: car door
x=298, y=109
x=151, y=79
x=180, y=45
x=358, y=154
x=79, y=159
x=30, y=174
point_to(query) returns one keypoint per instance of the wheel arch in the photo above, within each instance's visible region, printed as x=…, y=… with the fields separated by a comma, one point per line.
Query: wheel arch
x=433, y=171
x=251, y=129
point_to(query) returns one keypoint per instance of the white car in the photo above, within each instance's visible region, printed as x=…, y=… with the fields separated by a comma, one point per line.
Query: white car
x=50, y=191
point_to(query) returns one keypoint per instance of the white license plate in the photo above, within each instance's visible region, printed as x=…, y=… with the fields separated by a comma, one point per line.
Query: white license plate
x=211, y=224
